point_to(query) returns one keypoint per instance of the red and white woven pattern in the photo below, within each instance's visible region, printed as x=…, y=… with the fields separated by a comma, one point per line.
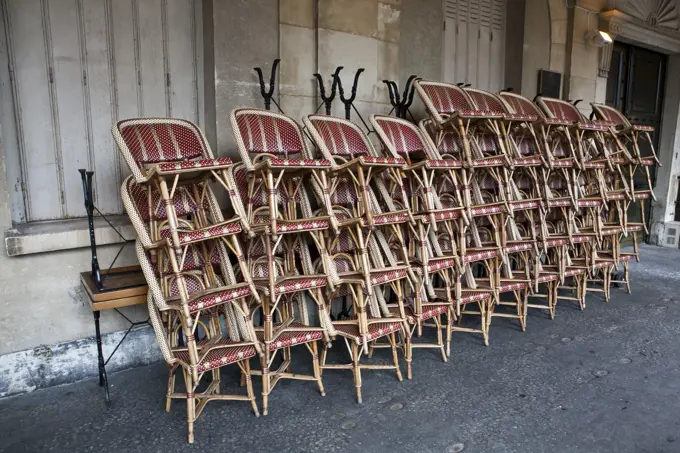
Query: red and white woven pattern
x=401, y=136
x=571, y=271
x=580, y=239
x=593, y=126
x=444, y=163
x=489, y=162
x=382, y=160
x=626, y=256
x=562, y=110
x=292, y=337
x=219, y=357
x=382, y=277
x=389, y=218
x=520, y=117
x=183, y=201
x=532, y=160
x=556, y=242
x=506, y=287
x=446, y=99
x=294, y=226
x=642, y=128
x=588, y=203
x=486, y=101
x=592, y=164
x=470, y=297
x=262, y=132
x=610, y=114
x=521, y=247
x=375, y=330
x=521, y=105
x=557, y=122
x=312, y=163
x=339, y=138
x=299, y=284
x=210, y=300
x=151, y=140
x=543, y=278
x=189, y=237
x=438, y=264
x=487, y=210
x=220, y=162
x=479, y=255
x=520, y=205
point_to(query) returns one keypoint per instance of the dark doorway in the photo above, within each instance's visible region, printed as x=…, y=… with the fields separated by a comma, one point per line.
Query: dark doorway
x=636, y=87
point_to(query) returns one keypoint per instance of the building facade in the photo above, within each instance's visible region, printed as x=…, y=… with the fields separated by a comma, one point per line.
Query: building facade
x=70, y=68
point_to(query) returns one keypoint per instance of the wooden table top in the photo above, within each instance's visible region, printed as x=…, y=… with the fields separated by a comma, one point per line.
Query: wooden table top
x=128, y=287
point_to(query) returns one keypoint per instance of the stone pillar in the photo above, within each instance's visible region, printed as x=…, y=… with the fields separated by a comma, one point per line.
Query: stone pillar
x=663, y=210
x=238, y=35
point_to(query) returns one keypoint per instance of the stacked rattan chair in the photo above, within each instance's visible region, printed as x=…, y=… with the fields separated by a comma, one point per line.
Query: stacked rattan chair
x=492, y=205
x=270, y=183
x=197, y=306
x=370, y=207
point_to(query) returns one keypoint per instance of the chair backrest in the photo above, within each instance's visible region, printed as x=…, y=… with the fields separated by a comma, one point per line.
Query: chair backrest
x=260, y=131
x=449, y=143
x=607, y=113
x=402, y=137
x=519, y=104
x=486, y=101
x=144, y=141
x=338, y=137
x=144, y=205
x=442, y=99
x=559, y=109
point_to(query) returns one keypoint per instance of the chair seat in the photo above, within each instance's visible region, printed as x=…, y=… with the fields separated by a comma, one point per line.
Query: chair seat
x=594, y=164
x=545, y=277
x=618, y=195
x=230, y=352
x=524, y=205
x=468, y=297
x=492, y=161
x=376, y=329
x=563, y=162
x=209, y=298
x=303, y=163
x=588, y=202
x=572, y=271
x=443, y=163
x=479, y=255
x=520, y=117
x=293, y=226
x=429, y=311
x=557, y=202
x=592, y=126
x=581, y=238
x=507, y=286
x=557, y=122
x=286, y=285
x=486, y=210
x=372, y=160
x=381, y=277
x=557, y=242
x=210, y=232
x=441, y=215
x=626, y=256
x=529, y=160
x=438, y=264
x=647, y=161
x=642, y=128
x=391, y=218
x=519, y=247
x=188, y=165
x=296, y=333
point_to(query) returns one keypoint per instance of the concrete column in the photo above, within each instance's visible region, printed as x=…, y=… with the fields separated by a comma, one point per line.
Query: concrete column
x=663, y=210
x=237, y=36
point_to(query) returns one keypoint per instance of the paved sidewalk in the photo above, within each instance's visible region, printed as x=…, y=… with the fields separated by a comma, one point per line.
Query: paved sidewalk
x=603, y=380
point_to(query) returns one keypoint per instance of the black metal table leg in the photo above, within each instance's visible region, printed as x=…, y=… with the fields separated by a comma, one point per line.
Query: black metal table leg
x=103, y=379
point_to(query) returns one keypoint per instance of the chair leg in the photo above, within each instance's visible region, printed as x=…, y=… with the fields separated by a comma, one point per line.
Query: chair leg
x=440, y=337
x=171, y=387
x=317, y=368
x=449, y=331
x=486, y=321
x=626, y=276
x=357, y=371
x=323, y=359
x=249, y=386
x=191, y=405
x=265, y=385
x=392, y=338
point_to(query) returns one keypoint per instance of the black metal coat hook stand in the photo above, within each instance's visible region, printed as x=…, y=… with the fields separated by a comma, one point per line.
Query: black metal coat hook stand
x=99, y=279
x=268, y=95
x=349, y=102
x=327, y=101
x=401, y=105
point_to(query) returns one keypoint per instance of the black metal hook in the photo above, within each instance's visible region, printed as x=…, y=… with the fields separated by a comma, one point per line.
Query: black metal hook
x=576, y=102
x=401, y=104
x=267, y=94
x=349, y=101
x=328, y=100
